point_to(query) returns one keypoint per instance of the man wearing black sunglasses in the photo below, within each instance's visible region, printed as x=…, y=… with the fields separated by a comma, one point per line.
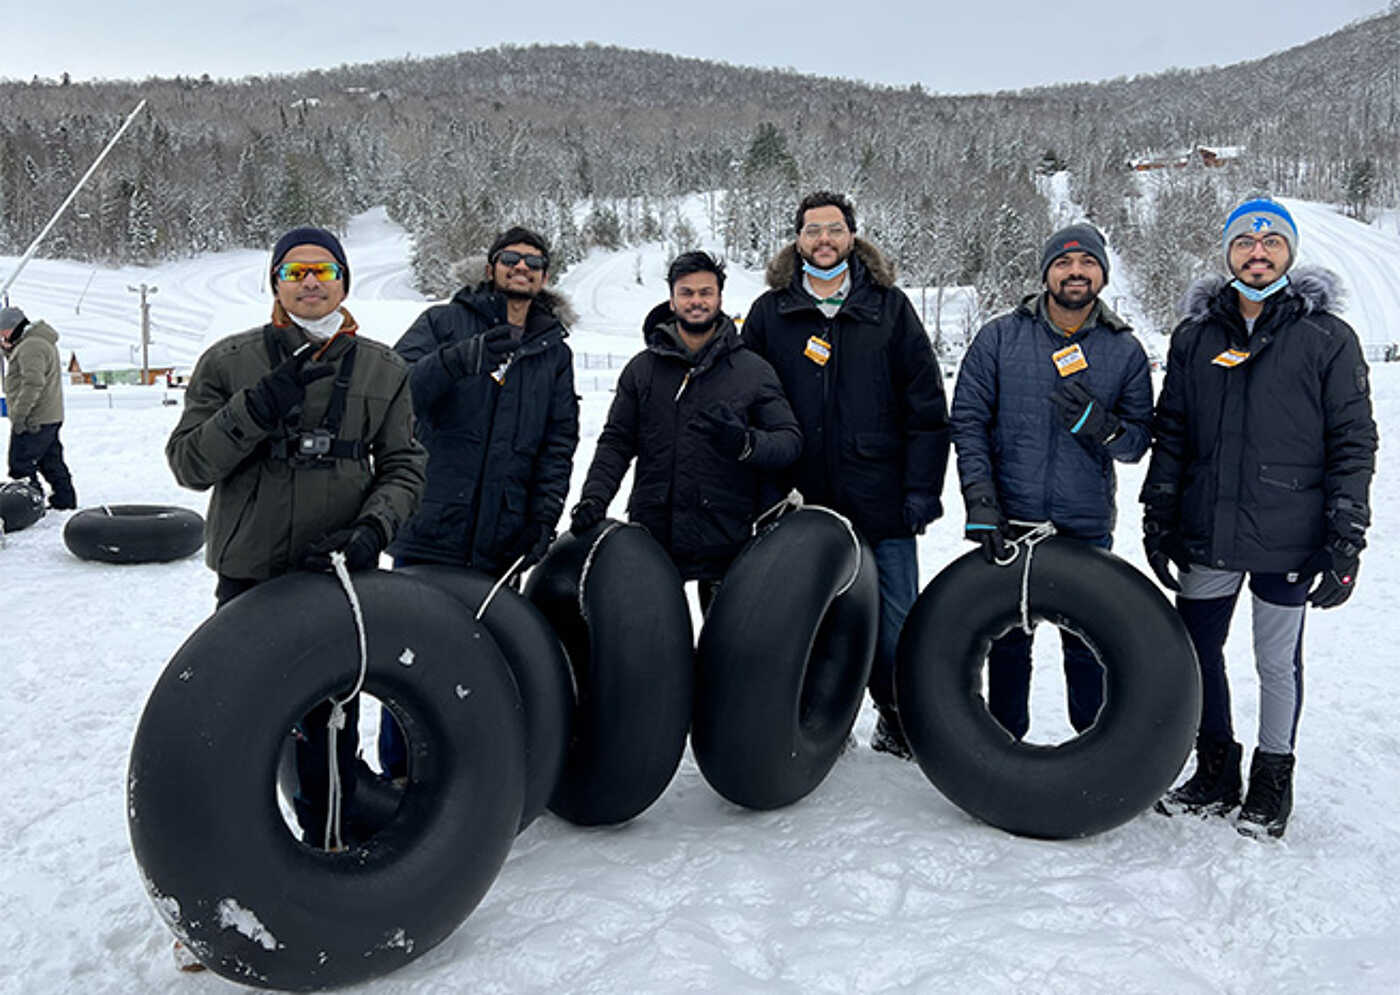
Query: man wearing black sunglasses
x=493, y=396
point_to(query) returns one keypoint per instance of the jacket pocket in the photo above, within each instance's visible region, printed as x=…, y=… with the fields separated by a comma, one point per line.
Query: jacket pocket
x=1290, y=476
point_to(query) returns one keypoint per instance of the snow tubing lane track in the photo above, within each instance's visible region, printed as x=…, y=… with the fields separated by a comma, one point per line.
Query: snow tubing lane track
x=784, y=660
x=1089, y=784
x=540, y=668
x=251, y=901
x=632, y=655
x=134, y=533
x=20, y=506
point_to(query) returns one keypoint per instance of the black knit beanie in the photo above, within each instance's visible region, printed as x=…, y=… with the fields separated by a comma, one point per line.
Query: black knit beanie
x=1075, y=238
x=308, y=236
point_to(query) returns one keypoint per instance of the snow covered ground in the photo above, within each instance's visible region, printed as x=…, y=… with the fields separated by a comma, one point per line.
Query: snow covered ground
x=874, y=883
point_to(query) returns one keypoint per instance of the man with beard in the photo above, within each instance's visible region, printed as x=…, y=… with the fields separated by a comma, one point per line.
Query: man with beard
x=494, y=402
x=860, y=374
x=705, y=419
x=1264, y=451
x=33, y=387
x=1048, y=397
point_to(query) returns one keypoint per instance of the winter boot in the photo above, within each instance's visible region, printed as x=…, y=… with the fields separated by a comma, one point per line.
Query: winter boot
x=889, y=736
x=1270, y=799
x=1215, y=787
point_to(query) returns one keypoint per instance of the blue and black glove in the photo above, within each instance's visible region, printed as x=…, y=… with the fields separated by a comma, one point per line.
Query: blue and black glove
x=986, y=524
x=1083, y=415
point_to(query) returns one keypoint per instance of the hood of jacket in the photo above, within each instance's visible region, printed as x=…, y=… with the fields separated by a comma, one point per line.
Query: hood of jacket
x=661, y=336
x=1033, y=306
x=784, y=267
x=1315, y=287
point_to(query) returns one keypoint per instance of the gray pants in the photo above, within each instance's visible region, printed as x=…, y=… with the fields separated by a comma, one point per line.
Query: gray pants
x=1206, y=603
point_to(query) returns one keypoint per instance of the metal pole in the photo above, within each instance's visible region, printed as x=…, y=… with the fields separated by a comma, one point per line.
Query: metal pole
x=144, y=290
x=34, y=246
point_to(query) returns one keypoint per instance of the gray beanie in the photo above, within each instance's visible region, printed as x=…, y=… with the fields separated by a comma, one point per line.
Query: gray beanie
x=1076, y=238
x=10, y=317
x=1258, y=217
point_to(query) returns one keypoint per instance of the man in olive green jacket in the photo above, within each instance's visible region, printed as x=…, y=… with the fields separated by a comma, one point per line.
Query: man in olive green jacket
x=305, y=433
x=290, y=486
x=34, y=395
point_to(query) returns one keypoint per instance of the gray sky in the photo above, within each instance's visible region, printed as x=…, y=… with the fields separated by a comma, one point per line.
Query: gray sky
x=972, y=47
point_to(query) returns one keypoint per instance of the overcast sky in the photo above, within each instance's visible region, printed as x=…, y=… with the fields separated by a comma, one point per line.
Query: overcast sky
x=976, y=46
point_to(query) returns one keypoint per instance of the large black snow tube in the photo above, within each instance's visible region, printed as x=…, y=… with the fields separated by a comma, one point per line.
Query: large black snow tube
x=134, y=533
x=784, y=658
x=20, y=506
x=1089, y=784
x=632, y=652
x=251, y=901
x=540, y=668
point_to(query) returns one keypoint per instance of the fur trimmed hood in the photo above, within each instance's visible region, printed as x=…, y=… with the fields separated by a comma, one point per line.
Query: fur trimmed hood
x=784, y=266
x=468, y=273
x=1318, y=288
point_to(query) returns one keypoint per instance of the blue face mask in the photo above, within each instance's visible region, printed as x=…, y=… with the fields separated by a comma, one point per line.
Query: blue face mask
x=1260, y=295
x=824, y=274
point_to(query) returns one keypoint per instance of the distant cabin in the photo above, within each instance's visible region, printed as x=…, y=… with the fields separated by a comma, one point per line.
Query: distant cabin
x=1208, y=155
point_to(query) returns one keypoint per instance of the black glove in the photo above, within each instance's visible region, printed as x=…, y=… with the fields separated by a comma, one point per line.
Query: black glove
x=921, y=508
x=478, y=353
x=586, y=514
x=1337, y=563
x=533, y=544
x=725, y=430
x=1164, y=546
x=361, y=543
x=282, y=389
x=1083, y=415
x=985, y=522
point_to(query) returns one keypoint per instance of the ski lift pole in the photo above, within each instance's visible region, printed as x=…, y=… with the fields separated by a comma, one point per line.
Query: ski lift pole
x=34, y=246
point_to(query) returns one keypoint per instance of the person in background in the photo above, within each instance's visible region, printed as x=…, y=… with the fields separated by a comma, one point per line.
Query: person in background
x=34, y=395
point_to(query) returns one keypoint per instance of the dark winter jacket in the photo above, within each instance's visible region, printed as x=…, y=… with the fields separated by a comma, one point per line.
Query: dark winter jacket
x=265, y=510
x=33, y=378
x=874, y=419
x=1008, y=432
x=697, y=502
x=499, y=454
x=1250, y=460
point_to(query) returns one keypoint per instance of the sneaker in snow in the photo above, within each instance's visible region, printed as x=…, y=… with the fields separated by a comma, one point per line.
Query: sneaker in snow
x=889, y=738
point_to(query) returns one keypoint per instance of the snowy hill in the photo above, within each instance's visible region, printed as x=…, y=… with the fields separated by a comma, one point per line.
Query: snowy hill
x=874, y=883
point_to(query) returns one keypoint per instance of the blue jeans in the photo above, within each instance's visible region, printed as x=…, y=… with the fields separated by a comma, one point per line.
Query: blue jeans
x=1009, y=675
x=897, y=563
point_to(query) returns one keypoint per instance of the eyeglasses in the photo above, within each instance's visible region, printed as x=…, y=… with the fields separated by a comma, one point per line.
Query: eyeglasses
x=1246, y=243
x=509, y=257
x=323, y=272
x=835, y=229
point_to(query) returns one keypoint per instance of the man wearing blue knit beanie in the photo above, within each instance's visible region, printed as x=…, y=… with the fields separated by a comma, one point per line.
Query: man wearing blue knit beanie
x=1263, y=453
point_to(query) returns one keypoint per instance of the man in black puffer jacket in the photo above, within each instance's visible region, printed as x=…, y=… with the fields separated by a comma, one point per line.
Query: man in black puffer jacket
x=860, y=374
x=1264, y=448
x=707, y=422
x=1048, y=398
x=494, y=403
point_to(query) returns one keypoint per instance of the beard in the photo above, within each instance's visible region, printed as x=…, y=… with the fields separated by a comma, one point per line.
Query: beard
x=697, y=327
x=1259, y=279
x=520, y=295
x=1075, y=298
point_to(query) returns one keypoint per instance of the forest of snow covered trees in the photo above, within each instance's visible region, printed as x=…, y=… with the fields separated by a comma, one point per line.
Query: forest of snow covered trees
x=592, y=145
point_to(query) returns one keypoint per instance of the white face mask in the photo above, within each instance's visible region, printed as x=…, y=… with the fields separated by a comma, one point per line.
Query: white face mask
x=321, y=328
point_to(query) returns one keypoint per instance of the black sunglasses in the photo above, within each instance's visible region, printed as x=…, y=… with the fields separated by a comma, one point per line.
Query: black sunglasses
x=509, y=257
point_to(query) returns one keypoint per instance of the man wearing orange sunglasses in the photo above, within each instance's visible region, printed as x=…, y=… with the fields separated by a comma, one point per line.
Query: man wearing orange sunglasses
x=304, y=432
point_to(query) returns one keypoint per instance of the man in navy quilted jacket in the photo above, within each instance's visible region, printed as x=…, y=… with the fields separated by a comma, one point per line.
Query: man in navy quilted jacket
x=1048, y=397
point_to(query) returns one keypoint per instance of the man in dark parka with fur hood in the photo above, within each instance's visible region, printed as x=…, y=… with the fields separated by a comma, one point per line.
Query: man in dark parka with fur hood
x=707, y=422
x=493, y=395
x=858, y=370
x=1264, y=448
